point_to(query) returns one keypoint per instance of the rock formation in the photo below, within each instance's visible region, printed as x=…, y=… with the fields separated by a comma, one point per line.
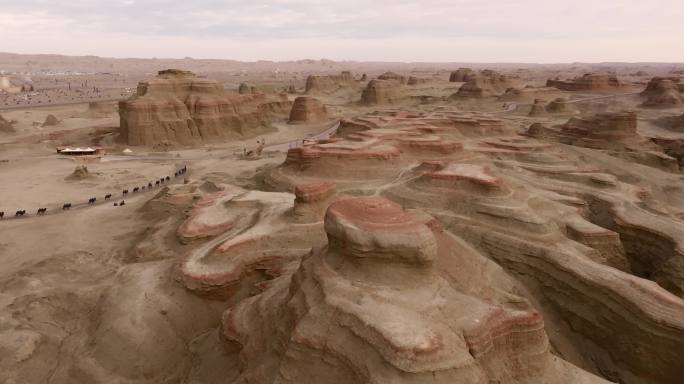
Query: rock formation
x=461, y=75
x=380, y=92
x=604, y=126
x=557, y=105
x=50, y=121
x=485, y=84
x=244, y=89
x=80, y=173
x=538, y=108
x=329, y=83
x=307, y=109
x=393, y=76
x=587, y=82
x=178, y=108
x=311, y=201
x=662, y=92
x=412, y=80
x=383, y=302
x=250, y=89
x=6, y=126
x=537, y=130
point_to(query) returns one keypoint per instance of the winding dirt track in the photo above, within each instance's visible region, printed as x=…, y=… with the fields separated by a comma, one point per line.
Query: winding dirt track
x=117, y=197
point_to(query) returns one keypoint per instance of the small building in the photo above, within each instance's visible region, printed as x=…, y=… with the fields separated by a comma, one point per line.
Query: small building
x=80, y=151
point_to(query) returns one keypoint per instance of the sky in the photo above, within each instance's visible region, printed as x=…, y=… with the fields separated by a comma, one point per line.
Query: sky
x=549, y=31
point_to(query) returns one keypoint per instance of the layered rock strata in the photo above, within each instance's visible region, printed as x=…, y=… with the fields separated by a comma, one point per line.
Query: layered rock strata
x=307, y=109
x=662, y=92
x=311, y=200
x=380, y=92
x=179, y=108
x=379, y=305
x=329, y=83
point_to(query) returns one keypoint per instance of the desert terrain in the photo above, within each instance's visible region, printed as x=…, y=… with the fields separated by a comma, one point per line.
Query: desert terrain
x=214, y=221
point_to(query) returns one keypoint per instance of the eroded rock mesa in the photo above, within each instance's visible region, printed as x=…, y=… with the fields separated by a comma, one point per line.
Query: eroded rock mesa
x=587, y=82
x=380, y=92
x=485, y=84
x=329, y=83
x=461, y=75
x=179, y=108
x=307, y=109
x=662, y=92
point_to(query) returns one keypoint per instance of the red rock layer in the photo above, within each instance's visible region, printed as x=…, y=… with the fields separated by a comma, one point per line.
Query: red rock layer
x=313, y=192
x=373, y=307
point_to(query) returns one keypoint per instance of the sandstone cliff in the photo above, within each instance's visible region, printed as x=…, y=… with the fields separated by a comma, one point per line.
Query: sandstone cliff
x=329, y=83
x=380, y=92
x=179, y=108
x=307, y=109
x=662, y=92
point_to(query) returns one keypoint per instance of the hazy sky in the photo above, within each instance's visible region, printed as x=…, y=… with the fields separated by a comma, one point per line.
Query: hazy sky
x=378, y=30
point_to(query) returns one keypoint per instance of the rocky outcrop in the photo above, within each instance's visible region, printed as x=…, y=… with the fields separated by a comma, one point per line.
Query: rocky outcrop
x=250, y=89
x=412, y=80
x=587, y=82
x=485, y=84
x=329, y=83
x=311, y=201
x=604, y=126
x=50, y=121
x=461, y=75
x=6, y=126
x=380, y=92
x=557, y=105
x=538, y=108
x=179, y=108
x=80, y=173
x=383, y=302
x=307, y=109
x=393, y=76
x=662, y=92
x=537, y=130
x=595, y=241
